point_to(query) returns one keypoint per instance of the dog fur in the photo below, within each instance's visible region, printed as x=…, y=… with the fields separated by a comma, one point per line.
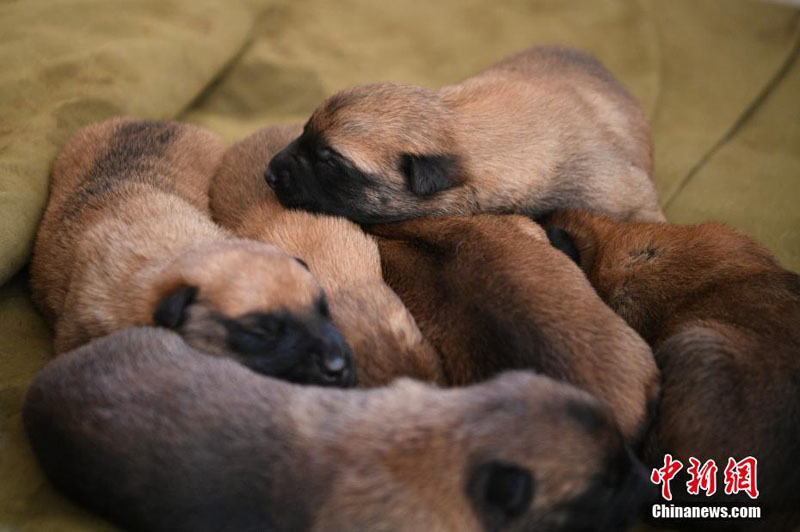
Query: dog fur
x=491, y=294
x=723, y=319
x=127, y=239
x=544, y=129
x=385, y=340
x=156, y=436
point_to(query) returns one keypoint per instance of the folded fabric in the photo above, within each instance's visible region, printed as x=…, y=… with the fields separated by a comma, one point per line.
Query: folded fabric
x=68, y=63
x=752, y=181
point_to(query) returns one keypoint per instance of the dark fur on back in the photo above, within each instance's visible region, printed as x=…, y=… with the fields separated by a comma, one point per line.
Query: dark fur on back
x=127, y=240
x=723, y=318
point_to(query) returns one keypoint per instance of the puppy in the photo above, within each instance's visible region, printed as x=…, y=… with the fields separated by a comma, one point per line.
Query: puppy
x=724, y=321
x=491, y=294
x=155, y=436
x=385, y=340
x=544, y=129
x=127, y=240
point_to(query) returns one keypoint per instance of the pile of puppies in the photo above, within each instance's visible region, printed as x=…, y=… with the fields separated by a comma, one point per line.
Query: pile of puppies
x=393, y=238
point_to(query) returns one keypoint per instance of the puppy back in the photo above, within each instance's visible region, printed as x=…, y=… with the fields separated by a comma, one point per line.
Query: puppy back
x=181, y=158
x=157, y=436
x=110, y=452
x=491, y=294
x=612, y=104
x=105, y=166
x=239, y=183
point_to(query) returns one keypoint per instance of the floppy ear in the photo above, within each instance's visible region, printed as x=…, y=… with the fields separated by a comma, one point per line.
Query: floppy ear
x=500, y=492
x=428, y=174
x=561, y=239
x=171, y=311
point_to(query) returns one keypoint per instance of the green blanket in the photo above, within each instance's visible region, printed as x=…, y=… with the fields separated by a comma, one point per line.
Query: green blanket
x=719, y=78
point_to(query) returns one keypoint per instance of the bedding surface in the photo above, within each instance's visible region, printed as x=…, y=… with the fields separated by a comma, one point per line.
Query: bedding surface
x=719, y=79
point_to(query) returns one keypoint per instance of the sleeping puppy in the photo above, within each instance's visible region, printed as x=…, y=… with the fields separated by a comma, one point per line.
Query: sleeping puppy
x=543, y=129
x=156, y=436
x=491, y=294
x=127, y=240
x=724, y=321
x=385, y=340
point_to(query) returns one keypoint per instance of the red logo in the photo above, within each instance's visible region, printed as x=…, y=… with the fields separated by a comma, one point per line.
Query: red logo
x=664, y=475
x=703, y=478
x=739, y=476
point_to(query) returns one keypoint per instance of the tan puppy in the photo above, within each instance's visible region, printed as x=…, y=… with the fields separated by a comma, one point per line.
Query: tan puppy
x=385, y=340
x=724, y=321
x=491, y=294
x=127, y=240
x=544, y=129
x=155, y=436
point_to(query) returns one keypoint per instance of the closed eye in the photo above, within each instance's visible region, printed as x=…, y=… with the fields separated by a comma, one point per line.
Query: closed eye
x=259, y=333
x=329, y=157
x=248, y=341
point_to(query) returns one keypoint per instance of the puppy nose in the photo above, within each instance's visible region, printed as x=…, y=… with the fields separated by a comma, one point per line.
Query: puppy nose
x=335, y=361
x=271, y=178
x=336, y=369
x=333, y=364
x=630, y=480
x=276, y=172
x=277, y=169
x=277, y=176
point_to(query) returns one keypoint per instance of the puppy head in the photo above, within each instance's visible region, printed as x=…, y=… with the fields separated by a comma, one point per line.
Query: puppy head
x=254, y=303
x=373, y=153
x=643, y=271
x=567, y=469
x=519, y=452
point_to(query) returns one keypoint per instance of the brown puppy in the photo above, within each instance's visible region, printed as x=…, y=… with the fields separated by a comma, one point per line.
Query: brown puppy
x=156, y=436
x=491, y=294
x=544, y=129
x=385, y=340
x=724, y=321
x=127, y=240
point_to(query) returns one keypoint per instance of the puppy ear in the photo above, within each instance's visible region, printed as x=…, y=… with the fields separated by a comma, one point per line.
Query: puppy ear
x=561, y=239
x=428, y=174
x=501, y=492
x=171, y=311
